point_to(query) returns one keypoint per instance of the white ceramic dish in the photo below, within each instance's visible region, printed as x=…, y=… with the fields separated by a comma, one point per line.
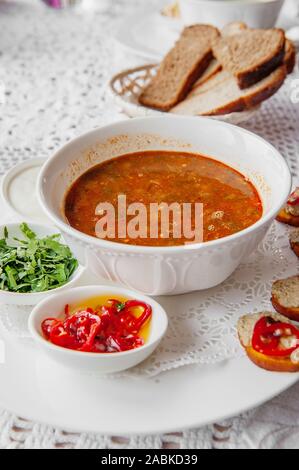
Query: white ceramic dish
x=85, y=361
x=18, y=191
x=255, y=13
x=43, y=390
x=167, y=270
x=14, y=298
x=148, y=34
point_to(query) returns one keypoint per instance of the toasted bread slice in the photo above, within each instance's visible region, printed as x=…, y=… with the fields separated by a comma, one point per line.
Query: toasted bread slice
x=250, y=55
x=222, y=95
x=285, y=297
x=289, y=60
x=294, y=241
x=274, y=364
x=245, y=329
x=214, y=67
x=289, y=214
x=287, y=218
x=181, y=67
x=230, y=29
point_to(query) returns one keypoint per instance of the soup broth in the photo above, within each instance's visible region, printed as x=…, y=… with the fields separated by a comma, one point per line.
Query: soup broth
x=230, y=201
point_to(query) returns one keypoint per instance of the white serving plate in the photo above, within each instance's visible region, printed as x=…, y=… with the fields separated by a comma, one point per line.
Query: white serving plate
x=150, y=35
x=34, y=387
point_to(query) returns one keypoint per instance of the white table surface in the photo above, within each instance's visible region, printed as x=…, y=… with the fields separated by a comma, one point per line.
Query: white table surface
x=53, y=70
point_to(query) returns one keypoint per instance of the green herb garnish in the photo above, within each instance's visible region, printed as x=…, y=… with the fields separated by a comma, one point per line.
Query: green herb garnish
x=34, y=264
x=120, y=306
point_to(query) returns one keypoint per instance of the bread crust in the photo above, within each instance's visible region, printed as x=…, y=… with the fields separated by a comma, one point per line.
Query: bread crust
x=286, y=218
x=255, y=99
x=238, y=103
x=249, y=78
x=206, y=76
x=290, y=56
x=189, y=77
x=233, y=107
x=146, y=100
x=193, y=77
x=295, y=247
x=248, y=102
x=271, y=363
x=290, y=312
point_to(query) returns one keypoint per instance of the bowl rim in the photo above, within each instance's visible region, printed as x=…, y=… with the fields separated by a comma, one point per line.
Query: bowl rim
x=114, y=290
x=74, y=277
x=115, y=246
x=232, y=2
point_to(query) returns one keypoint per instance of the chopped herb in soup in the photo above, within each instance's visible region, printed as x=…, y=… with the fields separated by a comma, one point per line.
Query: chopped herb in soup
x=230, y=201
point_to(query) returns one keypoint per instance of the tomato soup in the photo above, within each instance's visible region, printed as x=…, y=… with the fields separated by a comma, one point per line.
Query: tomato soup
x=229, y=200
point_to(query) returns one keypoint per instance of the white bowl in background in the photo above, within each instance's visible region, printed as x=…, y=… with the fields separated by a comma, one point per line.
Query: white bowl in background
x=32, y=298
x=177, y=269
x=255, y=13
x=87, y=361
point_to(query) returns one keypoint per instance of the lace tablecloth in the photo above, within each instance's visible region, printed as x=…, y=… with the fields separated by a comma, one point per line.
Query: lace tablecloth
x=53, y=70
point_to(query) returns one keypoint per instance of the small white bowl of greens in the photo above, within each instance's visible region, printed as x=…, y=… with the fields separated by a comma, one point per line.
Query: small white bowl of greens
x=34, y=263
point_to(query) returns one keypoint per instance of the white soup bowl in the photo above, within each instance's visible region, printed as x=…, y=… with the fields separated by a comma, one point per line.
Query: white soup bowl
x=175, y=269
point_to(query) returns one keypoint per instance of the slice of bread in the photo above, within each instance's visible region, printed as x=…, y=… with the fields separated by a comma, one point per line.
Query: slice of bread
x=286, y=218
x=214, y=67
x=229, y=30
x=289, y=59
x=285, y=297
x=222, y=95
x=250, y=55
x=294, y=241
x=181, y=67
x=245, y=329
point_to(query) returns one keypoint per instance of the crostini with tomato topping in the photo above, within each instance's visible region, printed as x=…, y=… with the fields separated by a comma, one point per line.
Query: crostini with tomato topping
x=285, y=297
x=294, y=241
x=270, y=340
x=289, y=214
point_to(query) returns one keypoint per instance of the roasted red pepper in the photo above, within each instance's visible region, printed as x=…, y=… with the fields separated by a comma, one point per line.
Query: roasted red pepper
x=269, y=335
x=110, y=328
x=294, y=198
